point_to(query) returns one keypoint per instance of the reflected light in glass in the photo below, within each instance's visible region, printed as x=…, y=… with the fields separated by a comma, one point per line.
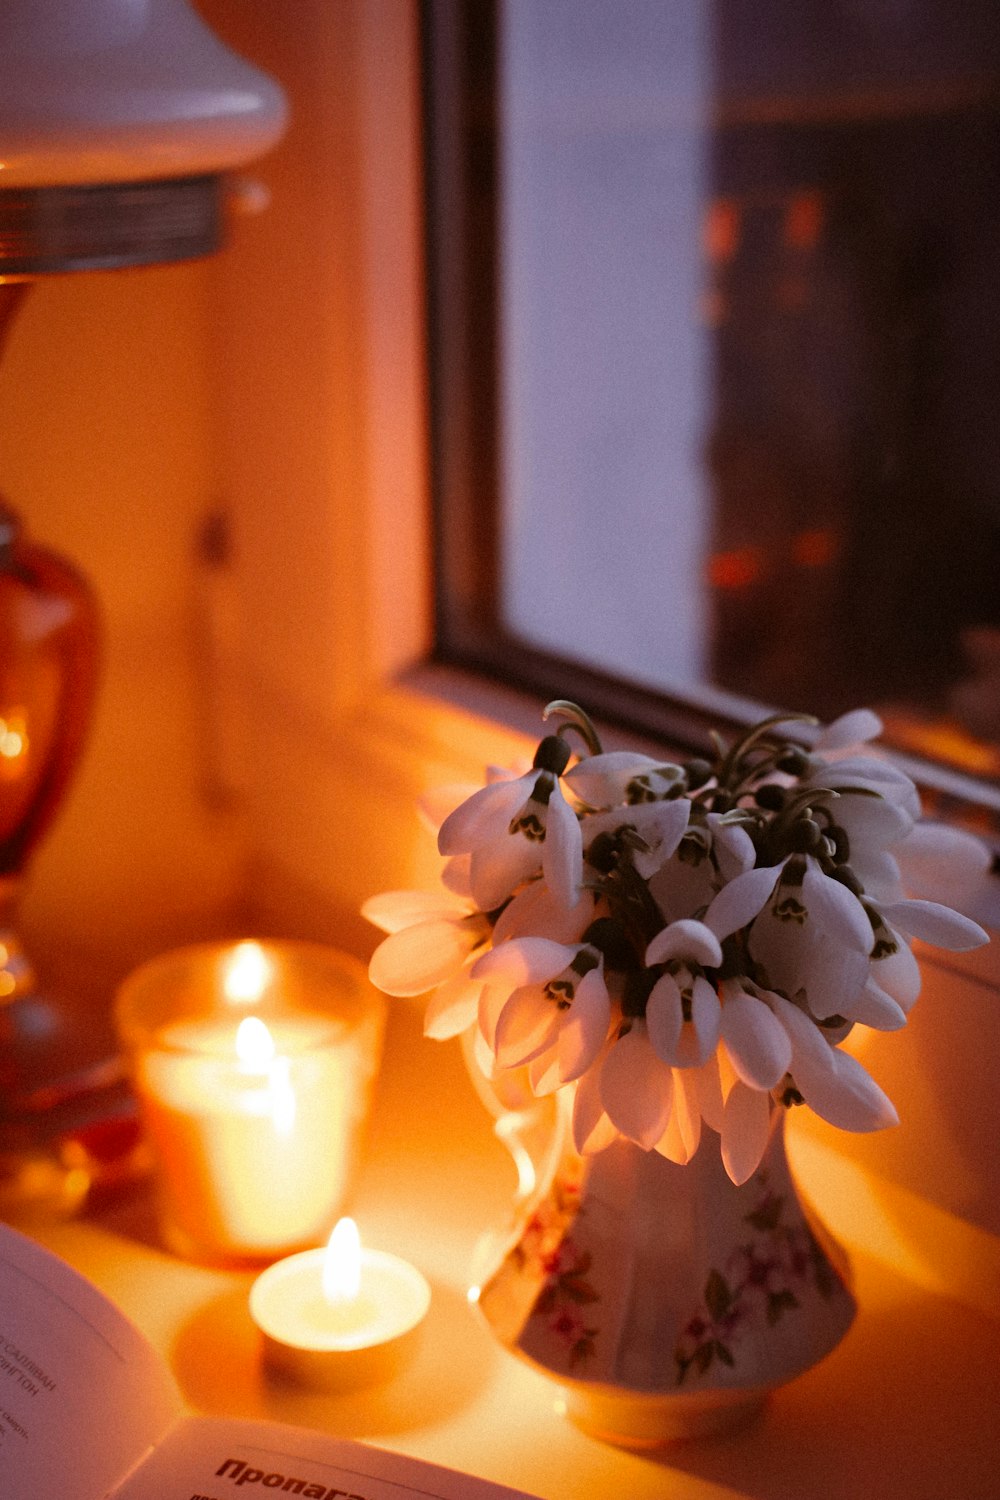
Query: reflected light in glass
x=254, y=1044
x=248, y=973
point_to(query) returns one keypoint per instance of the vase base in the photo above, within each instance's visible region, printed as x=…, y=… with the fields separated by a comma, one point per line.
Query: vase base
x=636, y=1421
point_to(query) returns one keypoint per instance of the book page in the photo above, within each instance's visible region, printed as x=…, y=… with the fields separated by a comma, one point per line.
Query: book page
x=212, y=1458
x=82, y=1393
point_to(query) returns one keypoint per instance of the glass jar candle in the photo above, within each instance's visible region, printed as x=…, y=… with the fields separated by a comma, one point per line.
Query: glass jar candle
x=253, y=1064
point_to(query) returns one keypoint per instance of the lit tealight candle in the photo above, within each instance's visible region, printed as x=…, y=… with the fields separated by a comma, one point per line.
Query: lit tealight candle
x=339, y=1317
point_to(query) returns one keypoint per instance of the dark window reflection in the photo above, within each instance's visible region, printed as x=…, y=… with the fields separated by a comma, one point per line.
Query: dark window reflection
x=853, y=255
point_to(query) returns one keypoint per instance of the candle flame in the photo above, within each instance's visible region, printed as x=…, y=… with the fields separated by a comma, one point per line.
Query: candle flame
x=247, y=974
x=254, y=1044
x=342, y=1263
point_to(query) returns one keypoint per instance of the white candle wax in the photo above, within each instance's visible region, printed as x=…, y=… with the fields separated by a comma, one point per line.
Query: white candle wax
x=340, y=1343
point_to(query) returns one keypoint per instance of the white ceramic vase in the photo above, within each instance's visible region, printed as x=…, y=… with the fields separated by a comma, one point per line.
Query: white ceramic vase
x=665, y=1300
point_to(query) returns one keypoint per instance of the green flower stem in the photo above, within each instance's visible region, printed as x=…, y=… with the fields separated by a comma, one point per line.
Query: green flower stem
x=735, y=755
x=576, y=719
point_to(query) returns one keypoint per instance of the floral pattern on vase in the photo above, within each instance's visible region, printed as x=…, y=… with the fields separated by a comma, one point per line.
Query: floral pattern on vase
x=763, y=1280
x=546, y=1249
x=668, y=1285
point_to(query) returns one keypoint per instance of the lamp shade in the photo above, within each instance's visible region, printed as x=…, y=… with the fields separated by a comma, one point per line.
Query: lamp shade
x=119, y=122
x=100, y=91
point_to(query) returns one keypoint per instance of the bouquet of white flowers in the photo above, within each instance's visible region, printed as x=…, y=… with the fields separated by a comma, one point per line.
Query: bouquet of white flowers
x=681, y=942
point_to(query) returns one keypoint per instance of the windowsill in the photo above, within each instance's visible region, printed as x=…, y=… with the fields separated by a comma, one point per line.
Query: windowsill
x=904, y=1407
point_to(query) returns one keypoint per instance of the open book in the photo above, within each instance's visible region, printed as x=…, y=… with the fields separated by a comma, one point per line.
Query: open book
x=89, y=1411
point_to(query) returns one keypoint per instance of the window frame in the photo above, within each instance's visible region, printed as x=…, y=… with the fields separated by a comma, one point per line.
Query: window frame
x=336, y=716
x=458, y=53
x=322, y=445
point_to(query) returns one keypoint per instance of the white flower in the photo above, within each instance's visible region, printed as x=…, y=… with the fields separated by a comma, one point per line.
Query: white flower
x=839, y=760
x=746, y=1125
x=683, y=945
x=832, y=1082
x=683, y=1012
x=534, y=909
x=431, y=941
x=756, y=1044
x=933, y=923
x=512, y=830
x=636, y=1086
x=850, y=731
x=935, y=860
x=660, y=826
x=708, y=854
x=604, y=780
x=545, y=1004
x=798, y=895
x=631, y=1093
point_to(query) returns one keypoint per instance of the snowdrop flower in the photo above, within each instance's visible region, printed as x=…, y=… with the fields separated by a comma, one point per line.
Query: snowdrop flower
x=831, y=1082
x=709, y=853
x=684, y=946
x=935, y=860
x=547, y=1006
x=839, y=758
x=636, y=1086
x=631, y=1093
x=800, y=899
x=757, y=1046
x=683, y=1013
x=514, y=829
x=933, y=923
x=657, y=827
x=431, y=942
x=605, y=780
x=814, y=1071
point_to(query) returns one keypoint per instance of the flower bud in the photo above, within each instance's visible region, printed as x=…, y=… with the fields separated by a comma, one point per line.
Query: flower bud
x=793, y=761
x=804, y=835
x=697, y=772
x=553, y=754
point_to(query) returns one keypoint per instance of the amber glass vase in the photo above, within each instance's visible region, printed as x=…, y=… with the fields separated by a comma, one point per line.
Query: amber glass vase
x=49, y=648
x=48, y=675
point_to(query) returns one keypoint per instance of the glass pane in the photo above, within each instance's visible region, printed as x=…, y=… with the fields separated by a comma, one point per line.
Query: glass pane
x=750, y=351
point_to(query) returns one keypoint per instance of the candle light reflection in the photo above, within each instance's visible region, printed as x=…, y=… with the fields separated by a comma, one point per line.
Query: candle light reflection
x=247, y=973
x=254, y=1045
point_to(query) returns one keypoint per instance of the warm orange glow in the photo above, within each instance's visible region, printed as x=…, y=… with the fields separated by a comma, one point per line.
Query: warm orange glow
x=816, y=549
x=8, y=984
x=508, y=1129
x=804, y=221
x=942, y=739
x=254, y=1044
x=13, y=745
x=722, y=229
x=737, y=569
x=342, y=1263
x=247, y=973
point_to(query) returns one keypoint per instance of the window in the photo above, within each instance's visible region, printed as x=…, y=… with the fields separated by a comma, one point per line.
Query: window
x=715, y=342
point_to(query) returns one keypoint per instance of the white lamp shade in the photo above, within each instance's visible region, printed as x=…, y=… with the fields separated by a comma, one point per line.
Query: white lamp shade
x=101, y=91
